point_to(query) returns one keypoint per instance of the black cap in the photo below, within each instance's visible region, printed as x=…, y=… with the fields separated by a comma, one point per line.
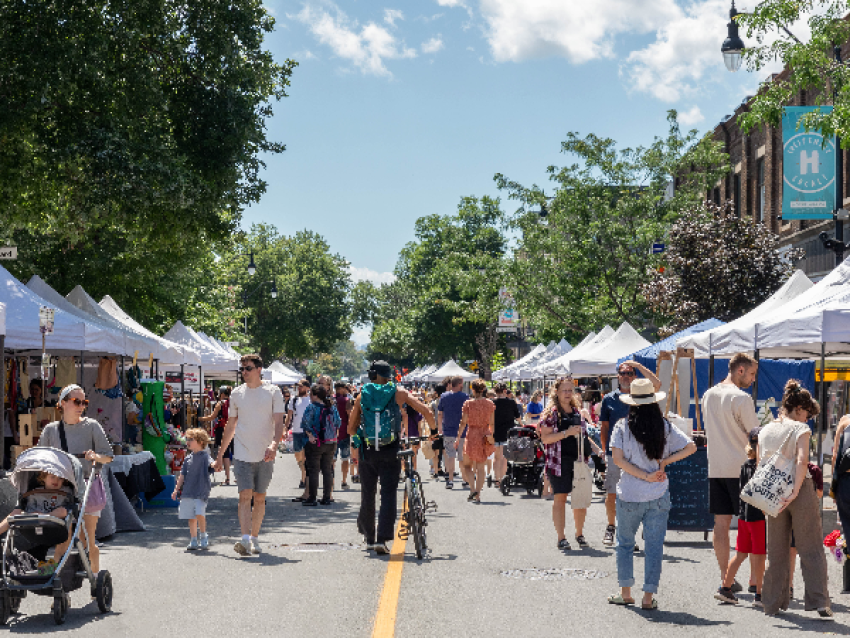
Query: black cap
x=382, y=368
x=754, y=435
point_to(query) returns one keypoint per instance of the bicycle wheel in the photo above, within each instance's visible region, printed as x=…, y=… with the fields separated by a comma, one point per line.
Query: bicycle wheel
x=415, y=513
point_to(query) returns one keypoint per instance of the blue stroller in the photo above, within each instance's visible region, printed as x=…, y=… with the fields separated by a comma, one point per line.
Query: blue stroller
x=30, y=536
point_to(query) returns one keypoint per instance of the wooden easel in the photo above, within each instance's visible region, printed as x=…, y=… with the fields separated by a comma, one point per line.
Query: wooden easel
x=681, y=353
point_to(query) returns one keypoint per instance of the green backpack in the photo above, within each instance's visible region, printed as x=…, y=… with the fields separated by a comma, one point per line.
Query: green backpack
x=381, y=416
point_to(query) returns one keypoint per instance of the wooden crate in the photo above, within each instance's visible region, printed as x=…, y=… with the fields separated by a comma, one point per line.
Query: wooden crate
x=26, y=429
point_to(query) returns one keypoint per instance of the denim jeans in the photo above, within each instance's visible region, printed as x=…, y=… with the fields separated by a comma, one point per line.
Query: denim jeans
x=653, y=515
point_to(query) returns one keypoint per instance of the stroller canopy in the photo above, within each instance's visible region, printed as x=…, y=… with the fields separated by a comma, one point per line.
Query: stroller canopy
x=35, y=460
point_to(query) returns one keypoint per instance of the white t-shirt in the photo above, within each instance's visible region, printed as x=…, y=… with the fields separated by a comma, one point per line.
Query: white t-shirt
x=729, y=415
x=255, y=409
x=298, y=406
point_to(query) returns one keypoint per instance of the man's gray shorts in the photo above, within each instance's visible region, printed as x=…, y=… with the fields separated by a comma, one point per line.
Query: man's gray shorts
x=449, y=445
x=612, y=475
x=253, y=476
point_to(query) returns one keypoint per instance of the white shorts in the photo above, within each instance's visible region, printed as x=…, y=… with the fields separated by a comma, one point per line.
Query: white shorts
x=189, y=508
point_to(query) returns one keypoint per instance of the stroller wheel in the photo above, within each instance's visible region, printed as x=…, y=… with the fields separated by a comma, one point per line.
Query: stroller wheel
x=60, y=607
x=103, y=591
x=506, y=486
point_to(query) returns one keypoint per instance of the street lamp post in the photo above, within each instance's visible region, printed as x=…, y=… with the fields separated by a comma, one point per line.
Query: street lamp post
x=732, y=49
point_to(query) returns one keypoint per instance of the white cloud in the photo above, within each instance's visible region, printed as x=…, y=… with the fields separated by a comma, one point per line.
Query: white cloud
x=433, y=45
x=391, y=15
x=692, y=116
x=367, y=47
x=367, y=274
x=451, y=3
x=579, y=31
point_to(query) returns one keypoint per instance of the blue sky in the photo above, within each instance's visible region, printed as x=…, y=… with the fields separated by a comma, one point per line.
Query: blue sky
x=397, y=110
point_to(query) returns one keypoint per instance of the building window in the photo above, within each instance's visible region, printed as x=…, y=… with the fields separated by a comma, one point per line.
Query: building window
x=736, y=195
x=760, y=204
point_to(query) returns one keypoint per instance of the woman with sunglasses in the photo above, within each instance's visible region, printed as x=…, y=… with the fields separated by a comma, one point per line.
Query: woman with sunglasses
x=85, y=439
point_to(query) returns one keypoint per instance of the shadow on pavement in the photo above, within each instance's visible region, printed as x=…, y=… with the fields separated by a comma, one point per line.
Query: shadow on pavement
x=42, y=622
x=676, y=617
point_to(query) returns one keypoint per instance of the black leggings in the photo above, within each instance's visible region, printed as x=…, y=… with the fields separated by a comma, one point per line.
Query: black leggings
x=320, y=457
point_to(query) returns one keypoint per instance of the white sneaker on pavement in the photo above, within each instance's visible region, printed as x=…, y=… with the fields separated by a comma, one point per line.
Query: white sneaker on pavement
x=255, y=547
x=193, y=544
x=241, y=548
x=381, y=548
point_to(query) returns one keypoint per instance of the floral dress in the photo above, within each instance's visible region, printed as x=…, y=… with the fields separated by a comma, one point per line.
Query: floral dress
x=478, y=413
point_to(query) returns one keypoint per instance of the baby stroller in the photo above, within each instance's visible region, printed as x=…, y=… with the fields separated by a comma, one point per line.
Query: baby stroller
x=524, y=454
x=31, y=535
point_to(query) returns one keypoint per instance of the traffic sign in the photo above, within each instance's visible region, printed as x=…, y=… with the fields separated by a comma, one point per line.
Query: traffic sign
x=658, y=248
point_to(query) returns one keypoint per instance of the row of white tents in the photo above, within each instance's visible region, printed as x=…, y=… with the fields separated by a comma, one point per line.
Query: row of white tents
x=801, y=320
x=84, y=327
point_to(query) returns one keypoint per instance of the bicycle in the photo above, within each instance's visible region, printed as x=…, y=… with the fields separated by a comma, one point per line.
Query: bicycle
x=415, y=505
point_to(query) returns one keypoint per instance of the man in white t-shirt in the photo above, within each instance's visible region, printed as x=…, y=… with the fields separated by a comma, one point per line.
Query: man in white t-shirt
x=294, y=415
x=255, y=425
x=729, y=415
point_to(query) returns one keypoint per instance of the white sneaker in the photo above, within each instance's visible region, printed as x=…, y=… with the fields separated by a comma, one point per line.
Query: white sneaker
x=381, y=548
x=255, y=547
x=241, y=548
x=205, y=542
x=193, y=544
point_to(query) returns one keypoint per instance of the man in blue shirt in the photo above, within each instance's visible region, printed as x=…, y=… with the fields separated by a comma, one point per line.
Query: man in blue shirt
x=449, y=413
x=612, y=411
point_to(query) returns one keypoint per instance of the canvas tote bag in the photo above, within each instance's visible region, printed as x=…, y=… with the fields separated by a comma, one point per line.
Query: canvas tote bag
x=772, y=482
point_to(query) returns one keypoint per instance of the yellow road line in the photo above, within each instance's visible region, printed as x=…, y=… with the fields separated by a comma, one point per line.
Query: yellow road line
x=388, y=605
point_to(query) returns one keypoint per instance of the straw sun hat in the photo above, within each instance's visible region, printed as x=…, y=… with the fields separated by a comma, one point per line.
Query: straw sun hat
x=642, y=392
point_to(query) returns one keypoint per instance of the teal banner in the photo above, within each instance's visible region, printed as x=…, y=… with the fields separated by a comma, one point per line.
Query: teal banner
x=808, y=168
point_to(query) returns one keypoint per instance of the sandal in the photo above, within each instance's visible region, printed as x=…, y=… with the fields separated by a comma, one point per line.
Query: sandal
x=582, y=542
x=619, y=600
x=471, y=496
x=652, y=605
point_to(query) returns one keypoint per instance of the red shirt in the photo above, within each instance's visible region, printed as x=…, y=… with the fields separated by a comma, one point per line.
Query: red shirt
x=342, y=408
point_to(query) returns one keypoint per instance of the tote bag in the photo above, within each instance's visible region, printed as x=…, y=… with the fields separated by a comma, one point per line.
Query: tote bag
x=772, y=482
x=582, y=495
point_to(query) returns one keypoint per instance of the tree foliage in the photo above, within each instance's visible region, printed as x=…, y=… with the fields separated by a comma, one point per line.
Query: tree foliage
x=717, y=265
x=813, y=64
x=583, y=267
x=444, y=297
x=311, y=312
x=136, y=119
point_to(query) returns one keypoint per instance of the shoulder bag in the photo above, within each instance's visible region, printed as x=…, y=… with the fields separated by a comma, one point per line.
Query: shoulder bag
x=772, y=482
x=582, y=494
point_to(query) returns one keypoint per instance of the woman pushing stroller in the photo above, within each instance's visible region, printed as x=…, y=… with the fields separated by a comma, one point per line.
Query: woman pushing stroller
x=84, y=438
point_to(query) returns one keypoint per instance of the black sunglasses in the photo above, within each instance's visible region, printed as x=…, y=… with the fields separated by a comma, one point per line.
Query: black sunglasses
x=627, y=373
x=247, y=368
x=78, y=402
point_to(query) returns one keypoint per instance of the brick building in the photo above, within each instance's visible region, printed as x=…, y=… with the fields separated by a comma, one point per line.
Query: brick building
x=754, y=184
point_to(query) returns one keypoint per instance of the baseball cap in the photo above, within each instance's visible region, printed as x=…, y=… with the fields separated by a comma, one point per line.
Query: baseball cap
x=754, y=435
x=382, y=368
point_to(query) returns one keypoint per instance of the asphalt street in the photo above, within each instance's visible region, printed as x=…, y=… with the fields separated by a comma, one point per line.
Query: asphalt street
x=493, y=571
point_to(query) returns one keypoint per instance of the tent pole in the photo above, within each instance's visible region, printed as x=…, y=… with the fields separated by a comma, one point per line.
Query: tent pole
x=123, y=406
x=822, y=420
x=756, y=382
x=183, y=395
x=82, y=365
x=711, y=371
x=696, y=390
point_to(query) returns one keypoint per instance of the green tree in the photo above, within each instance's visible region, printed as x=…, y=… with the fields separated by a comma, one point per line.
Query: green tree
x=814, y=69
x=712, y=249
x=147, y=117
x=443, y=299
x=311, y=311
x=584, y=266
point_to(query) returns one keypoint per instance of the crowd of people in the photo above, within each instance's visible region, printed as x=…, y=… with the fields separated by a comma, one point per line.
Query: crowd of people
x=464, y=437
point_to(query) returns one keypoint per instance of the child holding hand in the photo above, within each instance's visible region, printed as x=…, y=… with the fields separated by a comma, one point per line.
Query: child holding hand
x=193, y=488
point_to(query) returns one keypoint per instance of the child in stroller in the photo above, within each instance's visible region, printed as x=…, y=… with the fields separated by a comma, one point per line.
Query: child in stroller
x=52, y=496
x=31, y=533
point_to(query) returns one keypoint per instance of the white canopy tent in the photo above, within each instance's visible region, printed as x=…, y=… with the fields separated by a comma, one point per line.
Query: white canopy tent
x=505, y=372
x=601, y=358
x=169, y=353
x=280, y=378
x=530, y=359
x=408, y=378
x=22, y=323
x=424, y=372
x=449, y=369
x=101, y=336
x=212, y=360
x=561, y=365
x=740, y=335
x=532, y=370
x=815, y=324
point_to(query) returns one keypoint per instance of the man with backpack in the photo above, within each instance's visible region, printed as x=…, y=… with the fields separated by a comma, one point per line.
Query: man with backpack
x=375, y=425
